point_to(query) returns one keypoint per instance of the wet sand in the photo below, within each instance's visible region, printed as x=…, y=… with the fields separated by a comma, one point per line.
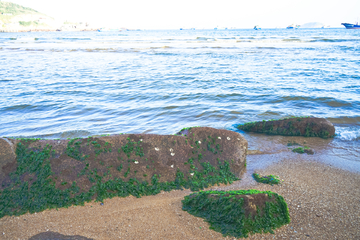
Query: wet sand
x=323, y=200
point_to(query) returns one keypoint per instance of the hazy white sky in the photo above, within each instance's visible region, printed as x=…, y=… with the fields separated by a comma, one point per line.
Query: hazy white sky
x=167, y=14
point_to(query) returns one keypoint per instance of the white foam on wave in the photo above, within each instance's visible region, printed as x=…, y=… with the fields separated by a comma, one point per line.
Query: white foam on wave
x=348, y=133
x=27, y=39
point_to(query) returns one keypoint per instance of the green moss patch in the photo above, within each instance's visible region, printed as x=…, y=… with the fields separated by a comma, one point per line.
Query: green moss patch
x=239, y=213
x=299, y=150
x=270, y=179
x=93, y=169
x=185, y=131
x=302, y=150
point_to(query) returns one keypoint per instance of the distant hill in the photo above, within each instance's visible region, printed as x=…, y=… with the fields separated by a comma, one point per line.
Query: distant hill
x=14, y=17
x=15, y=9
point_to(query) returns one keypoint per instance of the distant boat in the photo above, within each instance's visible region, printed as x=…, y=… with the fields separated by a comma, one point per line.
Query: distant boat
x=257, y=27
x=351, y=26
x=108, y=30
x=220, y=28
x=292, y=26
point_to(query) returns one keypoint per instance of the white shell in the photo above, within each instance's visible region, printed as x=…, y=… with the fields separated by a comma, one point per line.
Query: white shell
x=219, y=137
x=136, y=162
x=172, y=166
x=199, y=142
x=171, y=149
x=192, y=174
x=156, y=149
x=172, y=154
x=140, y=140
x=228, y=138
x=239, y=139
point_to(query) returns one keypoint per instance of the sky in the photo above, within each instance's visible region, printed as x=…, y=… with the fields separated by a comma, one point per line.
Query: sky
x=166, y=14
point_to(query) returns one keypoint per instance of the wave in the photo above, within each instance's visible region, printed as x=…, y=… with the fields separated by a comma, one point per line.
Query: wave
x=348, y=133
x=335, y=40
x=24, y=39
x=163, y=47
x=346, y=120
x=163, y=53
x=266, y=47
x=205, y=39
x=292, y=40
x=60, y=135
x=74, y=39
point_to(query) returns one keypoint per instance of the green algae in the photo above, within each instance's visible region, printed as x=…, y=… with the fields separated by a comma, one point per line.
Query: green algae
x=40, y=192
x=302, y=150
x=225, y=212
x=186, y=128
x=270, y=179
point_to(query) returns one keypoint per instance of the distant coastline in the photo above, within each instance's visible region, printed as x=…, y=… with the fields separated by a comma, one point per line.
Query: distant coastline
x=46, y=30
x=16, y=18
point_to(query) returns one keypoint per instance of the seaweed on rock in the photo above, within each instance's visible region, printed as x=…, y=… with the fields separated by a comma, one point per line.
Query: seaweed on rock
x=34, y=186
x=239, y=213
x=270, y=179
x=294, y=126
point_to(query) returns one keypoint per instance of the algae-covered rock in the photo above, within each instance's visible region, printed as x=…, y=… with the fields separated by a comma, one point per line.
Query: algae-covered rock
x=270, y=179
x=60, y=173
x=238, y=213
x=296, y=126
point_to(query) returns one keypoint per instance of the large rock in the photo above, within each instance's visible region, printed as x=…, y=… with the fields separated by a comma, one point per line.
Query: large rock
x=297, y=126
x=7, y=159
x=76, y=170
x=238, y=213
x=57, y=236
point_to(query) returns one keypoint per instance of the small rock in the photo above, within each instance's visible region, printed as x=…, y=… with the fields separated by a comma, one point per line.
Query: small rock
x=309, y=151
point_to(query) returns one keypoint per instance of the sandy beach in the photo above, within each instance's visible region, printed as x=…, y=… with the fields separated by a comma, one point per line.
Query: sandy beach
x=323, y=201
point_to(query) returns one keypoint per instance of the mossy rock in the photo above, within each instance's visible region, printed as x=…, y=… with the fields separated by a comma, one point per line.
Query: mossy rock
x=239, y=213
x=270, y=179
x=296, y=126
x=302, y=150
x=60, y=173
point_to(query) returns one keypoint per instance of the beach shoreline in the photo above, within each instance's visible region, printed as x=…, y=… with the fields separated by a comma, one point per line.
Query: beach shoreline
x=323, y=202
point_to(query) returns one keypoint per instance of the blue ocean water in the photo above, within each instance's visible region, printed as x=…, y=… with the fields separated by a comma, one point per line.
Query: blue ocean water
x=76, y=84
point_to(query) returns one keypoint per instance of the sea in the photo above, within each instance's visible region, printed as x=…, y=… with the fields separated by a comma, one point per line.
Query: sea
x=79, y=84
